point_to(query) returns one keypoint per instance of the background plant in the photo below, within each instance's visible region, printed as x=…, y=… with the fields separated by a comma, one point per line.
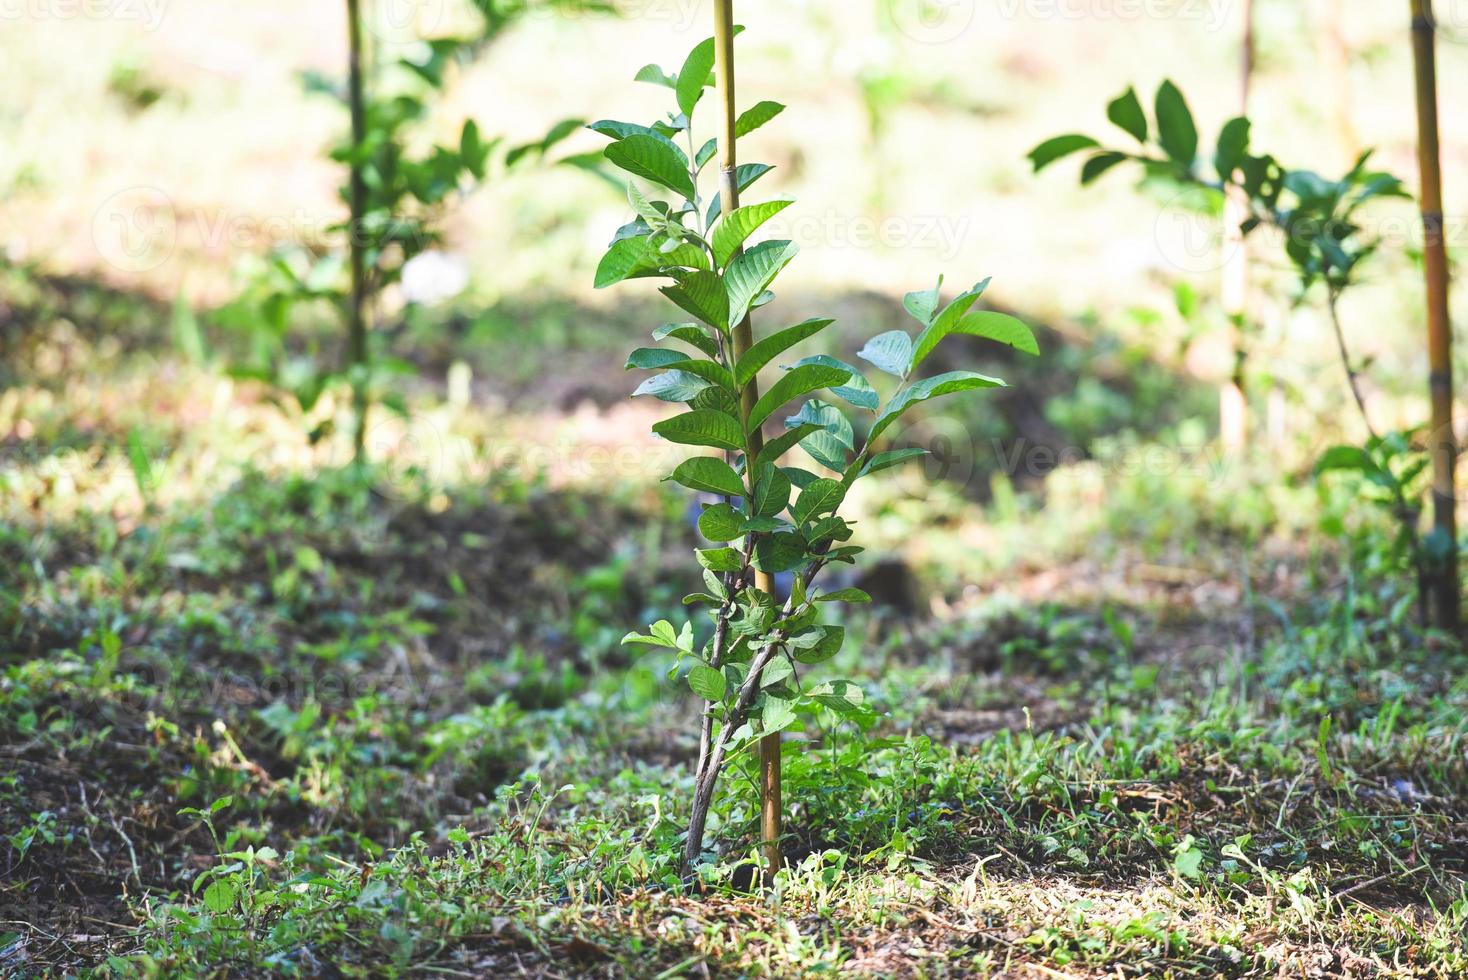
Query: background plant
x=1321, y=230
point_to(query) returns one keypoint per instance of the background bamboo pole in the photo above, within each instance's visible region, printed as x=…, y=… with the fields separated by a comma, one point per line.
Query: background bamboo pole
x=1233, y=405
x=1443, y=445
x=357, y=194
x=769, y=746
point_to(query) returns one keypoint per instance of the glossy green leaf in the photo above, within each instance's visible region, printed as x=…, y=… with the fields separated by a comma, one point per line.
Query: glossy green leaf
x=691, y=334
x=720, y=559
x=890, y=352
x=889, y=459
x=782, y=443
x=756, y=116
x=636, y=258
x=697, y=72
x=752, y=272
x=702, y=427
x=845, y=595
x=736, y=227
x=923, y=304
x=797, y=382
x=830, y=443
x=652, y=358
x=773, y=346
x=857, y=390
x=720, y=522
x=934, y=387
x=1096, y=166
x=709, y=475
x=821, y=497
x=701, y=294
x=653, y=158
x=672, y=386
x=706, y=682
x=771, y=492
x=828, y=645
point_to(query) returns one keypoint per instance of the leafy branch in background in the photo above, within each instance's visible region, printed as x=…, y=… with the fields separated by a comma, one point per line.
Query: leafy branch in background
x=1318, y=220
x=398, y=189
x=764, y=517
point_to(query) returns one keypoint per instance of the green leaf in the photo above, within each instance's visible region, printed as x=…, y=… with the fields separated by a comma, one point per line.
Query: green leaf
x=618, y=130
x=736, y=227
x=752, y=272
x=691, y=334
x=1059, y=147
x=703, y=295
x=1176, y=130
x=653, y=358
x=845, y=595
x=720, y=522
x=890, y=352
x=889, y=459
x=660, y=634
x=720, y=559
x=638, y=258
x=702, y=427
x=711, y=371
x=707, y=683
x=821, y=497
x=776, y=715
x=709, y=475
x=655, y=76
x=756, y=116
x=778, y=552
x=773, y=346
x=842, y=697
x=696, y=73
x=999, y=327
x=219, y=896
x=800, y=381
x=781, y=444
x=1233, y=144
x=1092, y=169
x=944, y=323
x=744, y=175
x=771, y=492
x=857, y=390
x=653, y=158
x=923, y=304
x=776, y=671
x=672, y=386
x=830, y=443
x=1345, y=458
x=934, y=387
x=825, y=648
x=1126, y=111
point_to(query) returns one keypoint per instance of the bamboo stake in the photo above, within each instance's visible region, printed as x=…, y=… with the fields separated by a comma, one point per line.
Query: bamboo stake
x=1233, y=406
x=356, y=310
x=1443, y=448
x=743, y=339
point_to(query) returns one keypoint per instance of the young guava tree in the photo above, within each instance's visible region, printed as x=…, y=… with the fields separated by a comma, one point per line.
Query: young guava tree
x=765, y=516
x=1326, y=241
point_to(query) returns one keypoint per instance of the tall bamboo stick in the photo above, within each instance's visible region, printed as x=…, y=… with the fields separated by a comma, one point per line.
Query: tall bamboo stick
x=357, y=194
x=743, y=337
x=1443, y=448
x=1233, y=406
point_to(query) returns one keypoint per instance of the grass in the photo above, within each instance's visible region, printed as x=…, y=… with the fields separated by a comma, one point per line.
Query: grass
x=264, y=715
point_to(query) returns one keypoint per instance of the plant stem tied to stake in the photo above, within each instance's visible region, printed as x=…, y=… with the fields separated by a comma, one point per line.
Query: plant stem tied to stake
x=743, y=339
x=1443, y=449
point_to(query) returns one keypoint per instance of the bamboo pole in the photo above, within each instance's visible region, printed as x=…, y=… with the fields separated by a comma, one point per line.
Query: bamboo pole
x=1443, y=448
x=1233, y=406
x=357, y=194
x=743, y=339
